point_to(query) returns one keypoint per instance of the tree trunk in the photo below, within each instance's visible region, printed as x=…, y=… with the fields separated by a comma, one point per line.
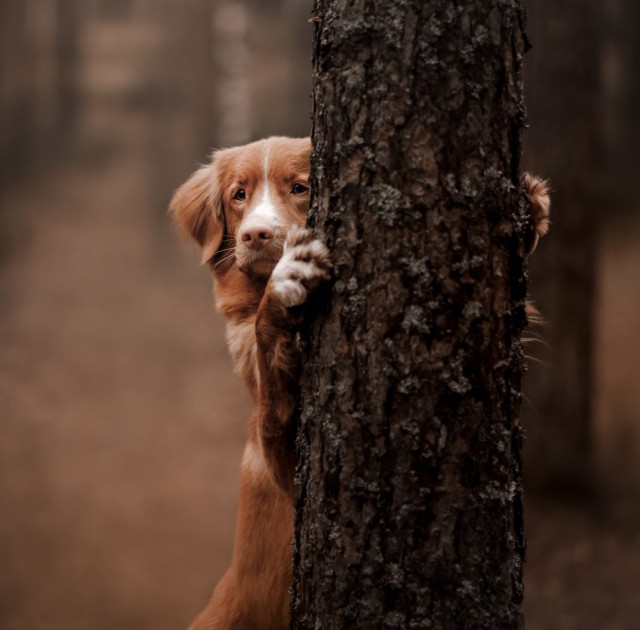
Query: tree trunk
x=17, y=69
x=409, y=510
x=67, y=43
x=563, y=109
x=182, y=95
x=620, y=69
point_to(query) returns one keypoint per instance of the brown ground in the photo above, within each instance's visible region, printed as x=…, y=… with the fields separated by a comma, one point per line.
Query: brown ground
x=122, y=424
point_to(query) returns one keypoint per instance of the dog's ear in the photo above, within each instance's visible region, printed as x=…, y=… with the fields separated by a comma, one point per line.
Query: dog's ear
x=196, y=208
x=537, y=190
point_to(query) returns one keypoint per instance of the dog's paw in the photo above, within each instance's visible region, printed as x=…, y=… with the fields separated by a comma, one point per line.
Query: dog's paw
x=539, y=203
x=304, y=265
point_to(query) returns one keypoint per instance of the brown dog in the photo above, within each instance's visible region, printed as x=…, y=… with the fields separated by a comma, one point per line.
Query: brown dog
x=247, y=210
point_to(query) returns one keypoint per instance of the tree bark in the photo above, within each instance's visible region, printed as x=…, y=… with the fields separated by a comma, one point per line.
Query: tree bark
x=409, y=511
x=562, y=144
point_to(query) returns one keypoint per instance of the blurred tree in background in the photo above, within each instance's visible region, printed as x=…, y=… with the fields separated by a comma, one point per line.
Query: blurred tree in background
x=620, y=120
x=564, y=99
x=583, y=100
x=38, y=72
x=208, y=71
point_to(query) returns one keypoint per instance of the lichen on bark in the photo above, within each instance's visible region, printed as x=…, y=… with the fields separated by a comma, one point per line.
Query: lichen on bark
x=409, y=485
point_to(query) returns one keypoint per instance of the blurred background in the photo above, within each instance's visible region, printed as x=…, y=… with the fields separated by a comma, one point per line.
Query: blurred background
x=121, y=422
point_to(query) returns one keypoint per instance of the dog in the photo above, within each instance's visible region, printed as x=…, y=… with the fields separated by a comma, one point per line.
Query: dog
x=247, y=210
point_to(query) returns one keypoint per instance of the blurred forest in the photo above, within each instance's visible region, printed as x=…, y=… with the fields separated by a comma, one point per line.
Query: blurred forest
x=122, y=423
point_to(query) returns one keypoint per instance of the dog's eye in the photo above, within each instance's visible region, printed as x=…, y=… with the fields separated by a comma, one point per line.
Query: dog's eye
x=298, y=189
x=240, y=194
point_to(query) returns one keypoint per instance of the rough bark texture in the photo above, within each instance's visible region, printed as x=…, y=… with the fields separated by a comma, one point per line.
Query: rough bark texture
x=409, y=487
x=562, y=145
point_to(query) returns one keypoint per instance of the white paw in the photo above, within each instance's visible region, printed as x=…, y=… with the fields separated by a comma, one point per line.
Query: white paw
x=304, y=265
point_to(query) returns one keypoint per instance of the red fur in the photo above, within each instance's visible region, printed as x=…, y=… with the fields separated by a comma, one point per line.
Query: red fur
x=256, y=290
x=261, y=332
x=537, y=191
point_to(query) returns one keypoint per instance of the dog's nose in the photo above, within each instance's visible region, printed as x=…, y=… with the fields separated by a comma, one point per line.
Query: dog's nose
x=256, y=235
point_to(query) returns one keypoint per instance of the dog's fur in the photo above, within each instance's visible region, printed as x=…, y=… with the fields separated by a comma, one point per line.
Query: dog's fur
x=247, y=210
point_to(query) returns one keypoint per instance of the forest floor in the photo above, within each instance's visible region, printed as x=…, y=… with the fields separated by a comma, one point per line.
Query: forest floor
x=123, y=425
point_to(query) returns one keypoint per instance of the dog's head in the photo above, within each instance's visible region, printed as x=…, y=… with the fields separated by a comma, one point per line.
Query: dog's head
x=240, y=207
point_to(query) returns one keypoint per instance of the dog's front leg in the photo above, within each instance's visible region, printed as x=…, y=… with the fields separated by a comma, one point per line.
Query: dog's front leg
x=304, y=265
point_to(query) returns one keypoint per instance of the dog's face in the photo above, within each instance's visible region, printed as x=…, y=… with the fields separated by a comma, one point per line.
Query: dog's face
x=240, y=207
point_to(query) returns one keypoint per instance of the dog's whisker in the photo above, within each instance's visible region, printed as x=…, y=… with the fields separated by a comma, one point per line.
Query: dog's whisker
x=225, y=259
x=531, y=340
